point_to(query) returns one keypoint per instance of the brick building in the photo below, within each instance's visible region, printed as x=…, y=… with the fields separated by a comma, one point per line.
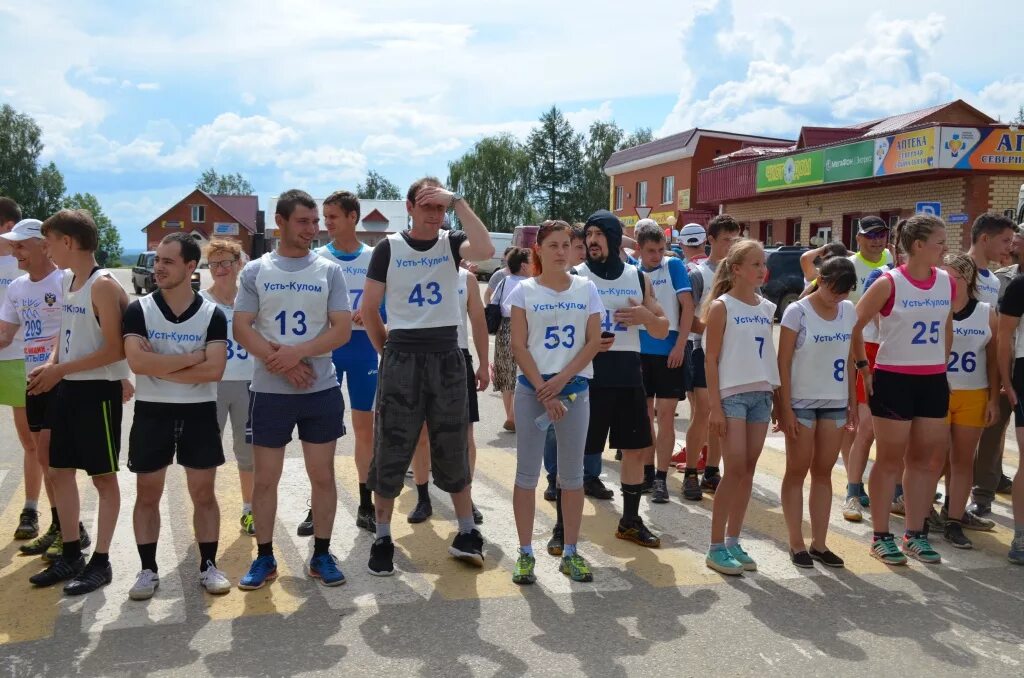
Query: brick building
x=951, y=159
x=233, y=217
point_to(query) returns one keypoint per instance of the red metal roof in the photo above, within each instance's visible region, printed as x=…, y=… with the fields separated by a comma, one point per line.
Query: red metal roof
x=241, y=207
x=375, y=215
x=818, y=136
x=656, y=147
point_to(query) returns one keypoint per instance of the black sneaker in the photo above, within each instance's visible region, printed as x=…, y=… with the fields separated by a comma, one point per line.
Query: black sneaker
x=826, y=558
x=382, y=558
x=980, y=508
x=647, y=486
x=90, y=579
x=954, y=534
x=802, y=559
x=557, y=541
x=478, y=518
x=305, y=528
x=58, y=571
x=468, y=547
x=618, y=455
x=636, y=532
x=422, y=511
x=593, y=487
x=1005, y=485
x=691, y=486
x=39, y=545
x=550, y=494
x=660, y=494
x=710, y=482
x=28, y=525
x=366, y=518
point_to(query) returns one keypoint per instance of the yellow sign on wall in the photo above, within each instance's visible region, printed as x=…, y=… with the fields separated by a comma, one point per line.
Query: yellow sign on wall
x=683, y=202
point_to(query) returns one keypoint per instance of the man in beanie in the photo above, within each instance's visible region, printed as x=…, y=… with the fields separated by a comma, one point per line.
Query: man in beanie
x=618, y=402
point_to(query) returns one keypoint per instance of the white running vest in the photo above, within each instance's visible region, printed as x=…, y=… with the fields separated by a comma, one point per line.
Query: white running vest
x=665, y=293
x=293, y=306
x=239, y=365
x=968, y=364
x=615, y=294
x=708, y=276
x=38, y=305
x=464, y=308
x=355, y=276
x=864, y=268
x=748, y=352
x=914, y=333
x=80, y=332
x=422, y=288
x=169, y=338
x=819, y=370
x=988, y=288
x=557, y=324
x=9, y=272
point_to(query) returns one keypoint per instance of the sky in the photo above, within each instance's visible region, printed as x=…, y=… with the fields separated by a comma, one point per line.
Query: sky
x=135, y=102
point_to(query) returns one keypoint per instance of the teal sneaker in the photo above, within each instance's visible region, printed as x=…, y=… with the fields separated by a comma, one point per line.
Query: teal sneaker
x=742, y=558
x=523, y=572
x=885, y=550
x=1016, y=554
x=921, y=549
x=721, y=560
x=576, y=567
x=262, y=570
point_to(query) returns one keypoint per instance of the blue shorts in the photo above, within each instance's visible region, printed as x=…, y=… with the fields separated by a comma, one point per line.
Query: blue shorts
x=754, y=407
x=357, y=364
x=808, y=415
x=319, y=416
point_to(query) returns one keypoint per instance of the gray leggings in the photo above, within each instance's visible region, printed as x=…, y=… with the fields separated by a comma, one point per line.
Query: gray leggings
x=233, y=399
x=570, y=430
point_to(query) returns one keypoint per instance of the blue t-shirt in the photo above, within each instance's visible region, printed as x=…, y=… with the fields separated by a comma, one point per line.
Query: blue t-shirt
x=680, y=280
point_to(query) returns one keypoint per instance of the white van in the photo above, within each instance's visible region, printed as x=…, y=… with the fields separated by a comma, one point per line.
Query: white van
x=501, y=241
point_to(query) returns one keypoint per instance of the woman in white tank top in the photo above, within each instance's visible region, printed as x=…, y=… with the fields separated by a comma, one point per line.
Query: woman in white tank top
x=816, y=403
x=908, y=392
x=973, y=373
x=742, y=372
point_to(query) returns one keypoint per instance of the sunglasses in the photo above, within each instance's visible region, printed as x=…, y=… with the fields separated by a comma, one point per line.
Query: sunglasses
x=876, y=235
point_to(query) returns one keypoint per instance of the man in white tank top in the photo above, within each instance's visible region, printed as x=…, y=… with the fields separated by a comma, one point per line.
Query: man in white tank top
x=176, y=342
x=86, y=370
x=422, y=370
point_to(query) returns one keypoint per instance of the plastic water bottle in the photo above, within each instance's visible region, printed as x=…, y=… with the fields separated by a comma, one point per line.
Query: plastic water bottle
x=544, y=421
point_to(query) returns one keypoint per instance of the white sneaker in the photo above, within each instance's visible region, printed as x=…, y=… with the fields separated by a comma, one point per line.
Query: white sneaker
x=214, y=581
x=145, y=586
x=851, y=510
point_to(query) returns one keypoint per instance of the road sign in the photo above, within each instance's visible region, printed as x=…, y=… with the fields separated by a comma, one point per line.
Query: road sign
x=643, y=212
x=957, y=219
x=932, y=208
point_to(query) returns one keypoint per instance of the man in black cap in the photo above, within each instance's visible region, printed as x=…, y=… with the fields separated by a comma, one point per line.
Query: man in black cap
x=618, y=402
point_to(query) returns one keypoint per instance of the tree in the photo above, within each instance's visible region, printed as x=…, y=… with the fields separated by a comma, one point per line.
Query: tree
x=377, y=188
x=556, y=162
x=495, y=179
x=642, y=135
x=224, y=184
x=604, y=139
x=49, y=191
x=38, y=192
x=110, y=238
x=1019, y=120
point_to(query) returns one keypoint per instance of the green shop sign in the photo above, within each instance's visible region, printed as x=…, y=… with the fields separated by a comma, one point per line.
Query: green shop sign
x=791, y=171
x=850, y=162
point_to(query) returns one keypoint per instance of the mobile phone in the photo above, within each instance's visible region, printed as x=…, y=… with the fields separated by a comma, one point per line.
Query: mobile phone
x=607, y=335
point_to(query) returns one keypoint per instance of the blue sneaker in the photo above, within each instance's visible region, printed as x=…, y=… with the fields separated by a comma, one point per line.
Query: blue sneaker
x=742, y=558
x=325, y=568
x=1016, y=554
x=262, y=570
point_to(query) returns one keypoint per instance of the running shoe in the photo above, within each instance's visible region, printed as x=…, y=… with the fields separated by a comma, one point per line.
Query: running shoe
x=509, y=426
x=28, y=525
x=885, y=549
x=980, y=508
x=58, y=571
x=954, y=534
x=899, y=507
x=710, y=482
x=557, y=541
x=660, y=493
x=972, y=521
x=691, y=486
x=702, y=460
x=679, y=458
x=523, y=571
x=56, y=549
x=325, y=568
x=305, y=528
x=576, y=567
x=593, y=487
x=647, y=486
x=262, y=571
x=741, y=557
x=921, y=549
x=826, y=557
x=637, y=533
x=720, y=560
x=1005, y=485
x=550, y=493
x=801, y=559
x=865, y=500
x=366, y=518
x=422, y=511
x=478, y=518
x=213, y=580
x=382, y=558
x=247, y=523
x=618, y=455
x=936, y=522
x=1016, y=554
x=146, y=584
x=90, y=579
x=852, y=510
x=468, y=547
x=39, y=545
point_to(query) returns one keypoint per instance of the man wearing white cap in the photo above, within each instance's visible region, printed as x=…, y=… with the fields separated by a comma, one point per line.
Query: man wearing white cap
x=692, y=238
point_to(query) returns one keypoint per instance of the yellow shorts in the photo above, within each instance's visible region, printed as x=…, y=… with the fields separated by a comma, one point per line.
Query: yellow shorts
x=967, y=408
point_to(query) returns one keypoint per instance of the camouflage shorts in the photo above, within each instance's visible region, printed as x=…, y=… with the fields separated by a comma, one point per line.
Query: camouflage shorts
x=413, y=389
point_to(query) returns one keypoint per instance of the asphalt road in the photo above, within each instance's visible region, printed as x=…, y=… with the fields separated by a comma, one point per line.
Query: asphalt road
x=646, y=612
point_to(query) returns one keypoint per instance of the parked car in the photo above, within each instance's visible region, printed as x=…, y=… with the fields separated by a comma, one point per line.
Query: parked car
x=785, y=279
x=142, y=275
x=485, y=268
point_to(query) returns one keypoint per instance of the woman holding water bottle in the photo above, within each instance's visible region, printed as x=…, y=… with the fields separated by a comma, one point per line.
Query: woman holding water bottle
x=555, y=333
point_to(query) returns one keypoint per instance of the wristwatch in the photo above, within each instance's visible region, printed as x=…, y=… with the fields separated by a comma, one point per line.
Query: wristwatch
x=455, y=198
x=861, y=364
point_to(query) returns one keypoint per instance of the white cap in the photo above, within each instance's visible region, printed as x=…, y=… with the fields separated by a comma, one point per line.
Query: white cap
x=693, y=235
x=646, y=222
x=25, y=229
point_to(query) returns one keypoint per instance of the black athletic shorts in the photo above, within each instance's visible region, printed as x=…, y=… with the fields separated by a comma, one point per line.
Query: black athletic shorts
x=1018, y=387
x=905, y=396
x=37, y=409
x=471, y=403
x=696, y=367
x=660, y=381
x=622, y=412
x=85, y=420
x=162, y=432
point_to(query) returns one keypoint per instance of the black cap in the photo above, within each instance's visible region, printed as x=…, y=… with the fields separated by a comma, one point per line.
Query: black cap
x=871, y=224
